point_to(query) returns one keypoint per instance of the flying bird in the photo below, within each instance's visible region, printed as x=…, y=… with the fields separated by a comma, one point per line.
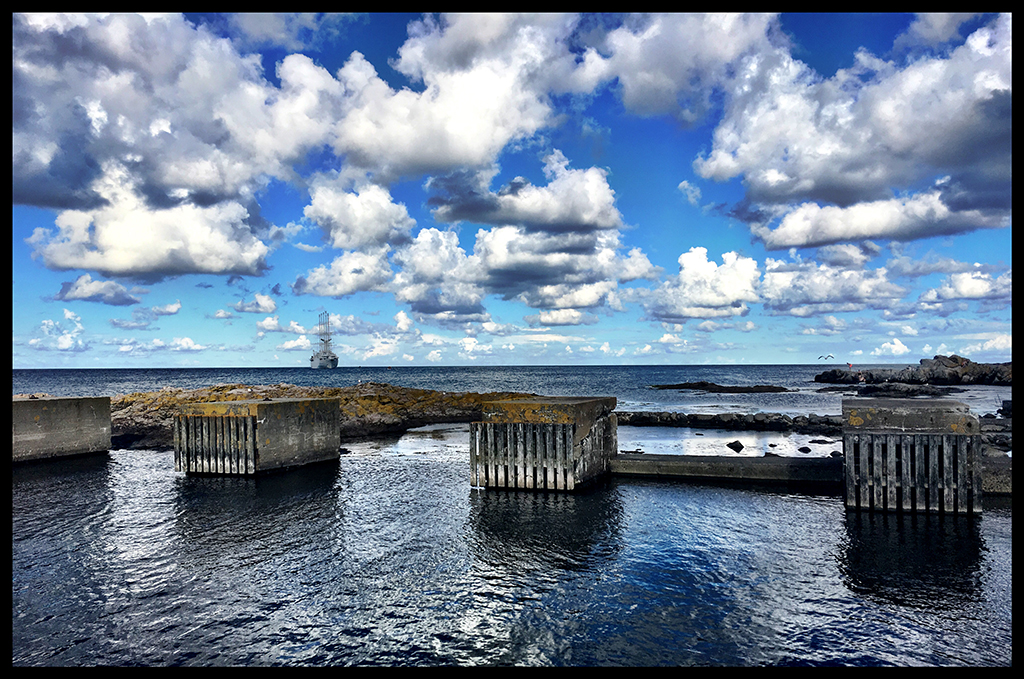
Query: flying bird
x=829, y=356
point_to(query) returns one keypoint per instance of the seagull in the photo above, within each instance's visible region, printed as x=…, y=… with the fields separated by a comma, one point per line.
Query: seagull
x=829, y=356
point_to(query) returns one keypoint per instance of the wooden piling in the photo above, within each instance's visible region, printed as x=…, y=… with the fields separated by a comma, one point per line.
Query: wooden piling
x=557, y=444
x=247, y=437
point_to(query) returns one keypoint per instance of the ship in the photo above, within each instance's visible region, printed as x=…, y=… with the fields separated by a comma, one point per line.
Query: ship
x=324, y=357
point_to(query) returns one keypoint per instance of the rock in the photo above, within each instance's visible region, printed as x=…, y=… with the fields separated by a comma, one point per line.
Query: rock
x=735, y=445
x=902, y=390
x=719, y=389
x=804, y=449
x=941, y=370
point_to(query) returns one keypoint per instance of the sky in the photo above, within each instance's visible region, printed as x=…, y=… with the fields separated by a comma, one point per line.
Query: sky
x=499, y=189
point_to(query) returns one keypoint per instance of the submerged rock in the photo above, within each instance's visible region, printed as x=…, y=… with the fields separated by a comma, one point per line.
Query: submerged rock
x=720, y=389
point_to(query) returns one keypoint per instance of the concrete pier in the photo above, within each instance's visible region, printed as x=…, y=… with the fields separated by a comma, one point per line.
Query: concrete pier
x=248, y=437
x=543, y=443
x=911, y=455
x=51, y=427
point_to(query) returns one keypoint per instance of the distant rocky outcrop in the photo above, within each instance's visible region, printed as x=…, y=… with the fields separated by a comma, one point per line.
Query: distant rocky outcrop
x=720, y=389
x=941, y=370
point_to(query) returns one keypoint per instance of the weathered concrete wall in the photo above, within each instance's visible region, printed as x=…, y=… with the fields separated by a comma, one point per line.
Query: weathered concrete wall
x=247, y=437
x=824, y=472
x=57, y=427
x=543, y=443
x=931, y=416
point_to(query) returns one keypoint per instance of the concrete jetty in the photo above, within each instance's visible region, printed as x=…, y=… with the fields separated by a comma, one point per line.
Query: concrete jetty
x=819, y=473
x=248, y=437
x=542, y=443
x=50, y=427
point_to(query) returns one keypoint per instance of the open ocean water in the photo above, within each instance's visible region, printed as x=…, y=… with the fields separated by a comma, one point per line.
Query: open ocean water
x=388, y=557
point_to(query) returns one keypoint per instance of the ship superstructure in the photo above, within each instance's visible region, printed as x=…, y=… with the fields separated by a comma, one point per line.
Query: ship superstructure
x=324, y=357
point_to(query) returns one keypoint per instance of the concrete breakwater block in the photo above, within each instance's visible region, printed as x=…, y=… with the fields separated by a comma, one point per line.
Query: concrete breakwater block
x=248, y=437
x=543, y=443
x=911, y=456
x=57, y=427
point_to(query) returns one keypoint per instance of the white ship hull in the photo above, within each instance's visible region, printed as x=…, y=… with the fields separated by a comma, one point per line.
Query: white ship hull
x=320, y=360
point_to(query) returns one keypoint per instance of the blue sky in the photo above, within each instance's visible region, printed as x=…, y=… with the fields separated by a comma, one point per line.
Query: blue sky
x=193, y=190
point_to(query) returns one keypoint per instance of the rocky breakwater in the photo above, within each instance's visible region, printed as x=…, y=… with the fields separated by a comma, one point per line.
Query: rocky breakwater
x=829, y=425
x=144, y=420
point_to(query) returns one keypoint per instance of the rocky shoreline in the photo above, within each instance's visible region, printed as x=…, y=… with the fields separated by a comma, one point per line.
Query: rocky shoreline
x=144, y=420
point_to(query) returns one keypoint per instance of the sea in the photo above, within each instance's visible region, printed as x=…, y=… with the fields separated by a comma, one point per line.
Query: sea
x=388, y=557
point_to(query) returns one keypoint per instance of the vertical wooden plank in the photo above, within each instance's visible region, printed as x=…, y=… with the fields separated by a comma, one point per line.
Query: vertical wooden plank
x=549, y=456
x=210, y=445
x=480, y=443
x=201, y=462
x=906, y=462
x=495, y=455
x=890, y=472
x=963, y=484
x=503, y=462
x=485, y=457
x=510, y=433
x=218, y=445
x=934, y=452
x=569, y=431
x=865, y=468
x=530, y=454
x=229, y=440
x=948, y=464
x=559, y=457
x=177, y=443
x=472, y=453
x=922, y=442
x=239, y=452
x=877, y=464
x=850, y=468
x=250, y=445
x=214, y=425
x=520, y=454
x=186, y=446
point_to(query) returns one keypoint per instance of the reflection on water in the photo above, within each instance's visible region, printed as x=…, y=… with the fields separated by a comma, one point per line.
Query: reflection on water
x=388, y=557
x=522, y=531
x=921, y=560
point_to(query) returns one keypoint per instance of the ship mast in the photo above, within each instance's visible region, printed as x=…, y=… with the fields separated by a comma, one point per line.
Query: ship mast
x=325, y=331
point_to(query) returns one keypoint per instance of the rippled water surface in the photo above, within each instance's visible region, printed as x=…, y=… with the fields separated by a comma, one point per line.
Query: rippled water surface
x=388, y=557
